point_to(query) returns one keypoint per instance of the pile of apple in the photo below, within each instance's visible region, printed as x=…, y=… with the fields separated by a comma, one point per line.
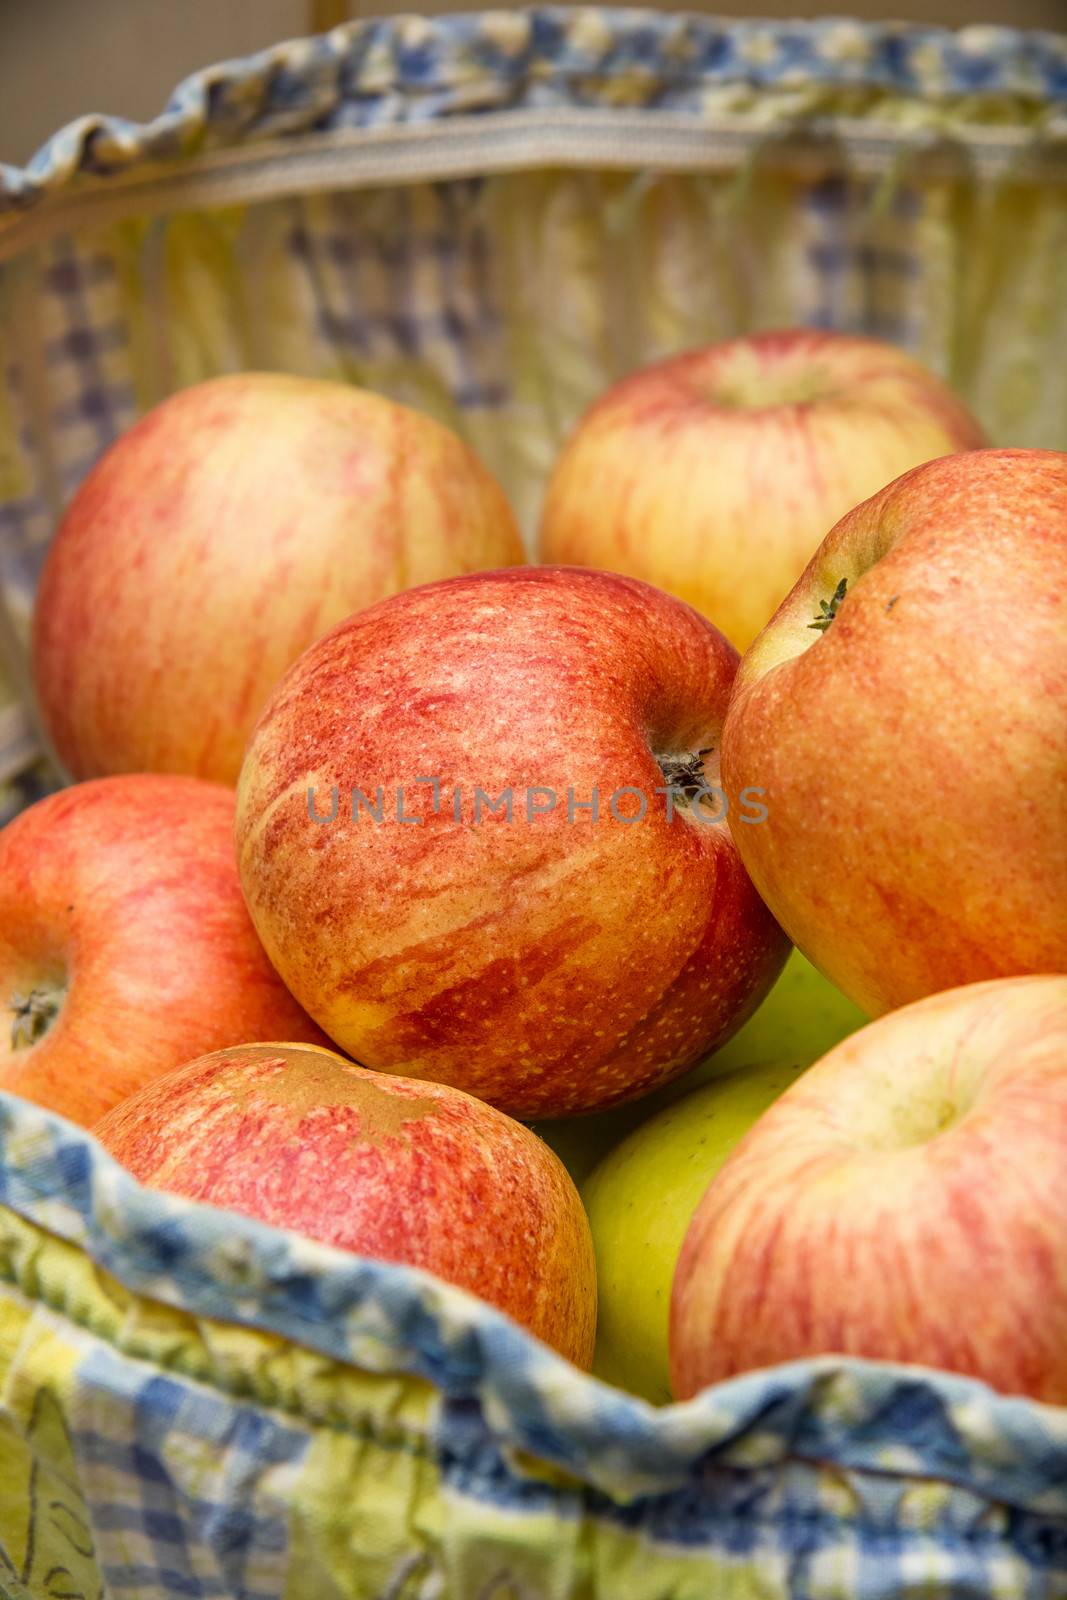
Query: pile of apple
x=382, y=845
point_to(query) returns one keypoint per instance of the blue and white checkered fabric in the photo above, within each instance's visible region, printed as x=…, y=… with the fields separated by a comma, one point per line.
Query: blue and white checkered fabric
x=411, y=69
x=831, y=1477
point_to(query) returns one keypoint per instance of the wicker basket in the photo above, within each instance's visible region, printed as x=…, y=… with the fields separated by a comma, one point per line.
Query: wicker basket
x=489, y=217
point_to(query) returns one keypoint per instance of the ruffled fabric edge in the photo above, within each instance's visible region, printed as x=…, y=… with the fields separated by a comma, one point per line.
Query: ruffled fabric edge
x=390, y=1319
x=402, y=69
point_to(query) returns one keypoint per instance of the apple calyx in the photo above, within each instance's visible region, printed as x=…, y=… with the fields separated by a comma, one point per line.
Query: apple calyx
x=33, y=1015
x=828, y=609
x=685, y=774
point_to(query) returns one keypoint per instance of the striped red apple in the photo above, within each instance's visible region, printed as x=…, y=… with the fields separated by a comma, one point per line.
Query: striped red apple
x=905, y=714
x=569, y=950
x=714, y=474
x=383, y=1166
x=125, y=945
x=904, y=1201
x=217, y=538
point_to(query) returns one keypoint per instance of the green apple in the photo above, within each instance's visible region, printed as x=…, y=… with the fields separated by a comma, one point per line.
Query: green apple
x=801, y=1018
x=640, y=1200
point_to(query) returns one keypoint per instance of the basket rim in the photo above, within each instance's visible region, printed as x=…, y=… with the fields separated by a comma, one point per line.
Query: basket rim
x=399, y=69
x=390, y=1319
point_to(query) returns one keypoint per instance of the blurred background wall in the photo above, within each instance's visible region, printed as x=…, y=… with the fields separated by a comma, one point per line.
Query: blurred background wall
x=62, y=58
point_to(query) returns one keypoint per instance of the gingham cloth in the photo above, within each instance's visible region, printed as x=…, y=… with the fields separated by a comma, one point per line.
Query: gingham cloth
x=191, y=1405
x=198, y=1405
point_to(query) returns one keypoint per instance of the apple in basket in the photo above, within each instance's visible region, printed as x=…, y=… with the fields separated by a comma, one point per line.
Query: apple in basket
x=384, y=1166
x=217, y=538
x=802, y=1016
x=478, y=836
x=905, y=712
x=714, y=474
x=904, y=1201
x=640, y=1200
x=125, y=945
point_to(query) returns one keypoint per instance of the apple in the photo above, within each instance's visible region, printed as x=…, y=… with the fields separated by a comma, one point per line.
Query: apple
x=125, y=945
x=640, y=1200
x=800, y=1019
x=218, y=537
x=544, y=958
x=384, y=1166
x=904, y=714
x=714, y=474
x=904, y=1201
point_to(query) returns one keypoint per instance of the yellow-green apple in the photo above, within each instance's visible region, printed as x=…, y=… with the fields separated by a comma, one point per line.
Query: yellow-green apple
x=640, y=1200
x=800, y=1019
x=217, y=538
x=384, y=1166
x=905, y=716
x=715, y=473
x=125, y=945
x=903, y=1201
x=587, y=939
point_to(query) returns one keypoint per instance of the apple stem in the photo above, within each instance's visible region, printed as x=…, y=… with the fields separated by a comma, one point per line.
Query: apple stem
x=33, y=1014
x=828, y=608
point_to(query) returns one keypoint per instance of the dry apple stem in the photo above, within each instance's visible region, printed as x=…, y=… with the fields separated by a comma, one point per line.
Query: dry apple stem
x=34, y=1013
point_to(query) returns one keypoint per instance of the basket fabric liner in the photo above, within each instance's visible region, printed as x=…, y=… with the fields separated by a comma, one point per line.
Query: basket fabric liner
x=208, y=1397
x=192, y=1404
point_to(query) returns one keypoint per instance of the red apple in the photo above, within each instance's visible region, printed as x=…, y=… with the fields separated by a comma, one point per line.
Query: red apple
x=384, y=1166
x=125, y=945
x=548, y=961
x=904, y=1200
x=912, y=746
x=216, y=539
x=714, y=474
